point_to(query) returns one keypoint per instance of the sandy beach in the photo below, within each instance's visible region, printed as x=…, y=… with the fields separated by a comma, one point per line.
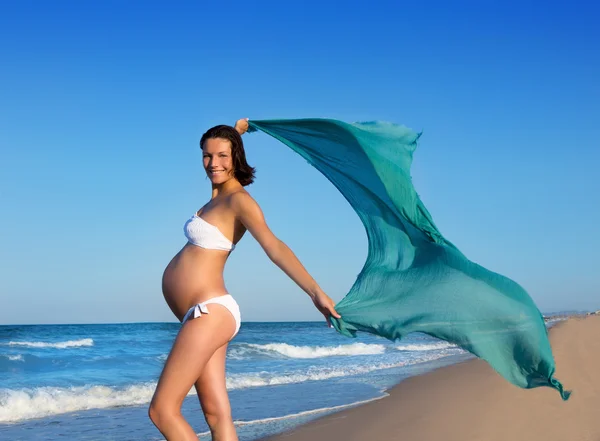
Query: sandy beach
x=471, y=402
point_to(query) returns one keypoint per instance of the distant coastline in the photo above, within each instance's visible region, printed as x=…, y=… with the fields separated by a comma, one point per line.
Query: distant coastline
x=568, y=314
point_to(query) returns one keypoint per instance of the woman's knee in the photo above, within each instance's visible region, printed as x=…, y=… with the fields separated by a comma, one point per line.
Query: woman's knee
x=218, y=419
x=160, y=414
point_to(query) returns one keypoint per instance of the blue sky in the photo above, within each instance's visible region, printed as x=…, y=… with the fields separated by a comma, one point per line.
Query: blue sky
x=103, y=105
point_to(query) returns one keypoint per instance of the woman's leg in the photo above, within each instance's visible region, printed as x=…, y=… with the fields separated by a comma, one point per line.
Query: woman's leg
x=195, y=344
x=212, y=393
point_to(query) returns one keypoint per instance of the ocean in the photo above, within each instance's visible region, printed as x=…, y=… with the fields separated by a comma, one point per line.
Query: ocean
x=94, y=382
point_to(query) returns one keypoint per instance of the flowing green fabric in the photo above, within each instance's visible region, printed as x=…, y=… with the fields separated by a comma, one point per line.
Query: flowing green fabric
x=414, y=279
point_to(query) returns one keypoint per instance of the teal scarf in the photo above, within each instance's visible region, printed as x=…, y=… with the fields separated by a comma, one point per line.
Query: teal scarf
x=414, y=279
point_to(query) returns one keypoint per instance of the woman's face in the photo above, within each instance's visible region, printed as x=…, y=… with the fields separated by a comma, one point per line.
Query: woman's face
x=218, y=163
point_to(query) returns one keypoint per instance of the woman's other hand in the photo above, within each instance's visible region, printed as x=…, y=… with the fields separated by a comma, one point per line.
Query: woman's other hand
x=326, y=305
x=241, y=125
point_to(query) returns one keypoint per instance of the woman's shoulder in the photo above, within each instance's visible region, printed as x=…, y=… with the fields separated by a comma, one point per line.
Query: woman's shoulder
x=241, y=201
x=240, y=196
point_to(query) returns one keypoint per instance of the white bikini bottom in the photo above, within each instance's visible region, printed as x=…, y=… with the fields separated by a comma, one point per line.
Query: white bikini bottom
x=226, y=300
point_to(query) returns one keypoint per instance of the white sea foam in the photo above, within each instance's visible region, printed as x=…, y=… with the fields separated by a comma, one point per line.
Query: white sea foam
x=240, y=423
x=242, y=381
x=552, y=321
x=58, y=345
x=291, y=351
x=15, y=357
x=308, y=412
x=18, y=405
x=426, y=347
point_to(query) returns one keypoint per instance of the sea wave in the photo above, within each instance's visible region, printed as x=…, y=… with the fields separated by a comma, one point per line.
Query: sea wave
x=15, y=357
x=426, y=347
x=290, y=351
x=23, y=404
x=305, y=413
x=241, y=381
x=58, y=345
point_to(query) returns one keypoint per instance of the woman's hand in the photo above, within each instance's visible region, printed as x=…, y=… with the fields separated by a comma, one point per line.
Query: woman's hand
x=241, y=125
x=324, y=304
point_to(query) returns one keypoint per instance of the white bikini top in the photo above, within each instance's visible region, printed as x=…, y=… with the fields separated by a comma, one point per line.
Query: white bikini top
x=205, y=235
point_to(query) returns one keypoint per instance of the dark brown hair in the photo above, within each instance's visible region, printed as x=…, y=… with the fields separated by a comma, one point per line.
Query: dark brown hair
x=241, y=170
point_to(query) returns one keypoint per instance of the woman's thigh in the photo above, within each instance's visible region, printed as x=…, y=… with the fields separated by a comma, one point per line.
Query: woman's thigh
x=197, y=341
x=211, y=386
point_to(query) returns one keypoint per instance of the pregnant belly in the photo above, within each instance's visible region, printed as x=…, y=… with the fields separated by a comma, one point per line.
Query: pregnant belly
x=193, y=275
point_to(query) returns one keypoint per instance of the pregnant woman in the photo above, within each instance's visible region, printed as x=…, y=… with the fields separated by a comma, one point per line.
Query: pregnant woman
x=195, y=291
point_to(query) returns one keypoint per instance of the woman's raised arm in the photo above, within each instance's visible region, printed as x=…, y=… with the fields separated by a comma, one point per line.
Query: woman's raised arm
x=251, y=216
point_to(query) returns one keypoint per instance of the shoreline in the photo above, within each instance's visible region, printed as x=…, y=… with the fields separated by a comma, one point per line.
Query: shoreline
x=469, y=401
x=547, y=317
